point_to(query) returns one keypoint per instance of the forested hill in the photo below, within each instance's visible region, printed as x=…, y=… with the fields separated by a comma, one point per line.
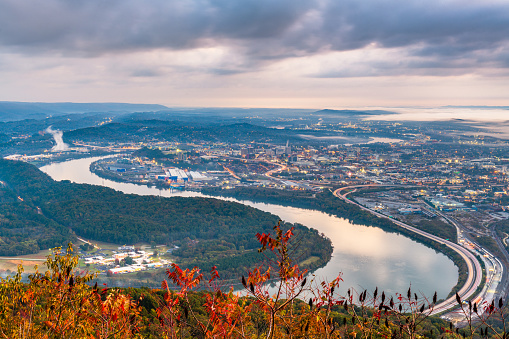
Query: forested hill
x=101, y=213
x=139, y=130
x=23, y=228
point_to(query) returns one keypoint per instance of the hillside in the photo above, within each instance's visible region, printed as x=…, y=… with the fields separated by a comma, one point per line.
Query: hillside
x=24, y=230
x=138, y=130
x=208, y=230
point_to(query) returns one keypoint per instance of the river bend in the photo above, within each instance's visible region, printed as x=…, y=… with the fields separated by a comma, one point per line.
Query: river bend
x=367, y=256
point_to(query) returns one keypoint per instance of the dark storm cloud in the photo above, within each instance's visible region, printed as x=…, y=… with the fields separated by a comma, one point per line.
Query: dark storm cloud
x=353, y=24
x=261, y=30
x=98, y=26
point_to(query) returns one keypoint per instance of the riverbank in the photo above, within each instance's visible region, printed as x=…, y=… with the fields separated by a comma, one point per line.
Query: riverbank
x=205, y=232
x=368, y=257
x=326, y=202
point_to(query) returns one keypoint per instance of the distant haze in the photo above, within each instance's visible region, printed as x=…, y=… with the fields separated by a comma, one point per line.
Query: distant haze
x=13, y=111
x=446, y=113
x=256, y=53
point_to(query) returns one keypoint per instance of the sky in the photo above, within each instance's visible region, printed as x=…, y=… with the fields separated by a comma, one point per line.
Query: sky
x=256, y=53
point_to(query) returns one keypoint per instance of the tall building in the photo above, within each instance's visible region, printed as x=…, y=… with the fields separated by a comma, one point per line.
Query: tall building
x=288, y=148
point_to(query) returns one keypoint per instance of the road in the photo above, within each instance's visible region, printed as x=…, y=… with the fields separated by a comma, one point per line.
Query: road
x=496, y=275
x=505, y=275
x=232, y=173
x=474, y=268
x=275, y=170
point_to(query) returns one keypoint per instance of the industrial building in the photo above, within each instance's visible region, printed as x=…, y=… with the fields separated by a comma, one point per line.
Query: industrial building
x=445, y=204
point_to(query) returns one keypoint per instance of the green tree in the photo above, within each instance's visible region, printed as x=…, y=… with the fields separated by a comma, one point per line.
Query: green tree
x=128, y=260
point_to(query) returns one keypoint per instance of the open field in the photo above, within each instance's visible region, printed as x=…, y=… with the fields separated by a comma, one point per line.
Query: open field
x=28, y=261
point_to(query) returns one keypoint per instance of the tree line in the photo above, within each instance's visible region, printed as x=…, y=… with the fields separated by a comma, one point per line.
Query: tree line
x=64, y=303
x=206, y=229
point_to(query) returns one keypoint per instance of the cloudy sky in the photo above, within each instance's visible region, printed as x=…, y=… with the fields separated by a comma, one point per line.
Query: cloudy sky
x=256, y=53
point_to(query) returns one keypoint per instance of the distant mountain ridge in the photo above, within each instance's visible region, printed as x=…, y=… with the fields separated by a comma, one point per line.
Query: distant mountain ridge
x=16, y=111
x=13, y=110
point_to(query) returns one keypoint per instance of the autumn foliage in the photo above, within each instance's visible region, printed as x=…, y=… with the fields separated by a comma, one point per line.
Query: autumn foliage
x=279, y=301
x=59, y=304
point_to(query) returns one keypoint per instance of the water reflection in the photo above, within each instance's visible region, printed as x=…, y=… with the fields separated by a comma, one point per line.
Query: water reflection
x=367, y=256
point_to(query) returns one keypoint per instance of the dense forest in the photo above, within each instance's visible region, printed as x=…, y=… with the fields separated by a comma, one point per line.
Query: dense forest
x=205, y=130
x=24, y=230
x=207, y=230
x=138, y=130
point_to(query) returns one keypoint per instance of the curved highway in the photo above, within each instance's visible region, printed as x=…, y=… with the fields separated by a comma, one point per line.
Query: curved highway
x=474, y=268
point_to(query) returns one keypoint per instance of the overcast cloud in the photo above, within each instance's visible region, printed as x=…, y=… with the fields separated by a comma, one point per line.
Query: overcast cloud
x=261, y=29
x=347, y=38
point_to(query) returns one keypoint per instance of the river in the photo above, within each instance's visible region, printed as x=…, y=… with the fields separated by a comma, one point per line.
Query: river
x=367, y=256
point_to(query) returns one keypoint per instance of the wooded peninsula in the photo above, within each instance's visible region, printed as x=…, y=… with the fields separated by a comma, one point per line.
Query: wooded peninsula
x=37, y=212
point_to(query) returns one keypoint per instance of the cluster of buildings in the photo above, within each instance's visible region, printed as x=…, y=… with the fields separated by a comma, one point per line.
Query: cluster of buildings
x=147, y=171
x=470, y=177
x=116, y=263
x=275, y=151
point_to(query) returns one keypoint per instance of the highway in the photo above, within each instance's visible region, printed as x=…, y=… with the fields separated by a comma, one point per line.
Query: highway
x=495, y=276
x=275, y=170
x=474, y=268
x=492, y=288
x=505, y=277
